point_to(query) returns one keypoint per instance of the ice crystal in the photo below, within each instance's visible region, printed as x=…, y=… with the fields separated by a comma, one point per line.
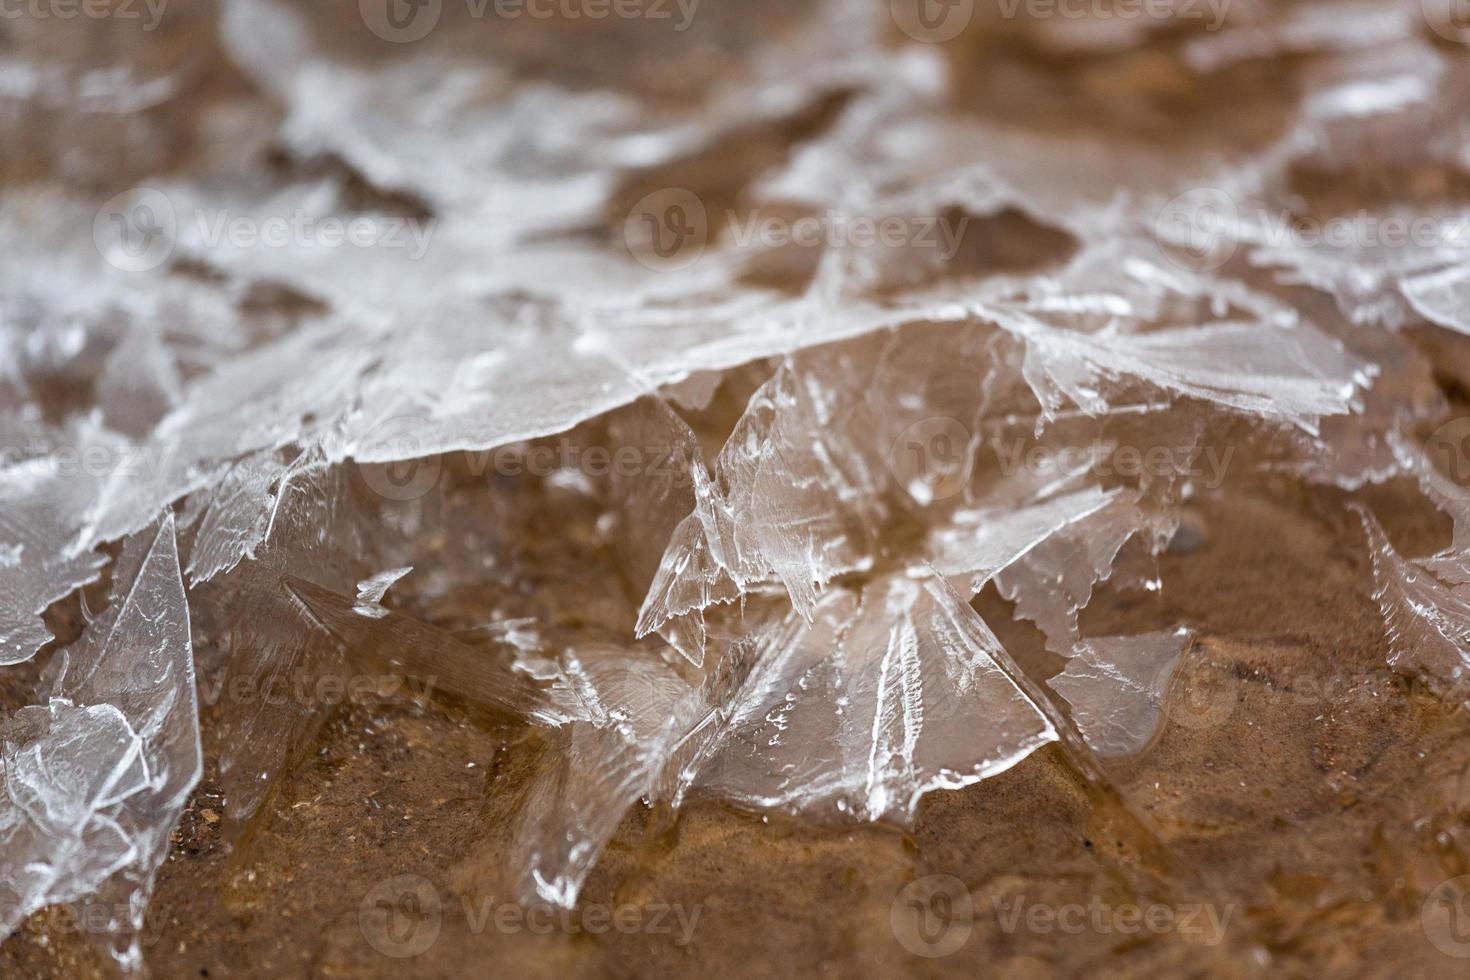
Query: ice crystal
x=97, y=774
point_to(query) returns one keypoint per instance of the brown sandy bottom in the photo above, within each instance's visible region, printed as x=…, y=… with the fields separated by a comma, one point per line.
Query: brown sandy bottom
x=1294, y=816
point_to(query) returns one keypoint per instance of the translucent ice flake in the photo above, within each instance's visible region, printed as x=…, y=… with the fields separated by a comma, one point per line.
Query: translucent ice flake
x=977, y=544
x=1301, y=29
x=1372, y=282
x=1427, y=622
x=40, y=499
x=234, y=516
x=882, y=699
x=651, y=500
x=848, y=440
x=1451, y=565
x=632, y=711
x=370, y=592
x=1054, y=580
x=453, y=125
x=1116, y=687
x=785, y=503
x=1442, y=296
x=1291, y=375
x=95, y=778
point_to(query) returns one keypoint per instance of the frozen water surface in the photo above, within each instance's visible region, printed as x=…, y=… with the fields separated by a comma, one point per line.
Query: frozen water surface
x=724, y=402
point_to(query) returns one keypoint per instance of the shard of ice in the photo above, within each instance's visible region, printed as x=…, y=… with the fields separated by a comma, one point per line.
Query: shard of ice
x=1116, y=687
x=370, y=592
x=631, y=711
x=1426, y=621
x=888, y=695
x=1296, y=375
x=96, y=776
x=1442, y=296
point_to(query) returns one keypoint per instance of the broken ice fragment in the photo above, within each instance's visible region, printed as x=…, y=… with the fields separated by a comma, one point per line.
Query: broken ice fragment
x=1427, y=623
x=881, y=700
x=370, y=592
x=976, y=544
x=1293, y=375
x=632, y=710
x=40, y=500
x=1116, y=686
x=1442, y=296
x=95, y=779
x=784, y=503
x=1054, y=580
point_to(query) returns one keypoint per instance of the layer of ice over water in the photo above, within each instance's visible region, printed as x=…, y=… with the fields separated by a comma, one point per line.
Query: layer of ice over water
x=1098, y=310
